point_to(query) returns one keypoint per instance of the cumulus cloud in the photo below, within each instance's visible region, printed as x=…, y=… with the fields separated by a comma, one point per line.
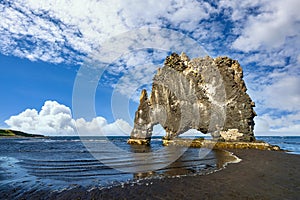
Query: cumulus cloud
x=99, y=126
x=56, y=119
x=53, y=118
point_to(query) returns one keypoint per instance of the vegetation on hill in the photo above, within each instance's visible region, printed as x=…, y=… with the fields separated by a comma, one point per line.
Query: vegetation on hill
x=13, y=133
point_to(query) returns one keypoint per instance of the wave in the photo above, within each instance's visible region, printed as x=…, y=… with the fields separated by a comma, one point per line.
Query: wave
x=58, y=163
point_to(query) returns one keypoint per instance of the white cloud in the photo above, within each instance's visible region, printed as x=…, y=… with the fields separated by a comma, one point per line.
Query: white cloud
x=289, y=130
x=53, y=118
x=277, y=90
x=277, y=122
x=261, y=125
x=275, y=22
x=283, y=94
x=287, y=124
x=271, y=126
x=56, y=119
x=99, y=126
x=138, y=69
x=238, y=10
x=57, y=31
x=277, y=98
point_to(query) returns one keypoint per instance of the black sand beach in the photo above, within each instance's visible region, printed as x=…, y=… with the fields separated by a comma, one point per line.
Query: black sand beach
x=260, y=175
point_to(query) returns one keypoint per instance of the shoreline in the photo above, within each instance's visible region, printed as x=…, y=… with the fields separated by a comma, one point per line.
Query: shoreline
x=260, y=175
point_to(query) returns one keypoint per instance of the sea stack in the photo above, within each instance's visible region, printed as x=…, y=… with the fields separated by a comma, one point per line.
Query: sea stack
x=206, y=94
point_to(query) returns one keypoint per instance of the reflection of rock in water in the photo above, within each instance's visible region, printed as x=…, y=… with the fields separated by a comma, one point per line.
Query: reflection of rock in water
x=193, y=161
x=205, y=94
x=143, y=175
x=223, y=157
x=140, y=148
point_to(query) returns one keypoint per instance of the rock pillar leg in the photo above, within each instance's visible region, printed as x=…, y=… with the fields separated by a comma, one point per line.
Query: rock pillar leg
x=142, y=131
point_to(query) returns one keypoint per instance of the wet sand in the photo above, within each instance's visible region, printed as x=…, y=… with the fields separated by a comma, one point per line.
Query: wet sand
x=260, y=175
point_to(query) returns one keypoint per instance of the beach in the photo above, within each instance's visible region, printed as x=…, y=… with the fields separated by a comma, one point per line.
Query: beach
x=260, y=175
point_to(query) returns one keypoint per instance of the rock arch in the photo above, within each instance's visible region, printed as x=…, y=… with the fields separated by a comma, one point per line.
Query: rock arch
x=205, y=94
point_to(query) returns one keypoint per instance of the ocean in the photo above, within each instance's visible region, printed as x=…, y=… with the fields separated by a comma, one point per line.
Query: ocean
x=289, y=143
x=61, y=163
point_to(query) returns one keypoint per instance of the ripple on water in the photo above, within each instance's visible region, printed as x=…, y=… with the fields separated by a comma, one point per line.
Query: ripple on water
x=37, y=170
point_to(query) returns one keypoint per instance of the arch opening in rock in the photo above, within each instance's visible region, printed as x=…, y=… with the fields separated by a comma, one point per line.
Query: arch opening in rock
x=158, y=131
x=194, y=134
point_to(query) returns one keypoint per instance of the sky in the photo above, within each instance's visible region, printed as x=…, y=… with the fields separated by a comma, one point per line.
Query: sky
x=80, y=65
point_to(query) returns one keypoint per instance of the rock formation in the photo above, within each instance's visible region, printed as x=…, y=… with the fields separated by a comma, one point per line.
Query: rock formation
x=205, y=94
x=210, y=144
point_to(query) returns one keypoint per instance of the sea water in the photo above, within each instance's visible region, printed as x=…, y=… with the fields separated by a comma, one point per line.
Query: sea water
x=60, y=163
x=289, y=143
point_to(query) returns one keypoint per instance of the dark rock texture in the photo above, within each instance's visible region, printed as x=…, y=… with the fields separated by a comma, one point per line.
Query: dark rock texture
x=210, y=144
x=205, y=94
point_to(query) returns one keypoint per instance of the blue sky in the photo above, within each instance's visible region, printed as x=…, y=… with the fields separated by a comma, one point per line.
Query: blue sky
x=45, y=45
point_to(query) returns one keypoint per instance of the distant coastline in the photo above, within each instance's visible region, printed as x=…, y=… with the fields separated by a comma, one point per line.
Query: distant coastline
x=7, y=133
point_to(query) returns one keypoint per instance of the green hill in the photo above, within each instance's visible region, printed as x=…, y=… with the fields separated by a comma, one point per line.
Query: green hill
x=13, y=133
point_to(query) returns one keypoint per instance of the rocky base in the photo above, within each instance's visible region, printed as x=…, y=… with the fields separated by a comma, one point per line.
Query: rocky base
x=202, y=143
x=138, y=141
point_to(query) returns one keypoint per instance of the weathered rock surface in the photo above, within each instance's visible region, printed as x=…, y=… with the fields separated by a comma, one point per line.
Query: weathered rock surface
x=205, y=94
x=202, y=143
